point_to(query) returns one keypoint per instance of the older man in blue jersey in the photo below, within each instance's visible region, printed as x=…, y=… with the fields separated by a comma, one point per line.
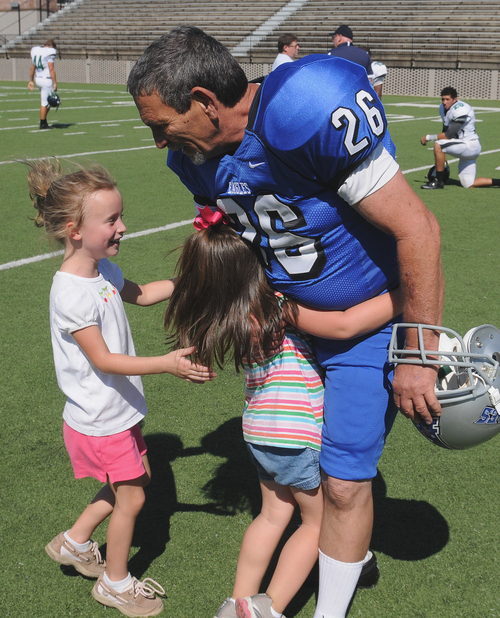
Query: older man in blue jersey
x=302, y=165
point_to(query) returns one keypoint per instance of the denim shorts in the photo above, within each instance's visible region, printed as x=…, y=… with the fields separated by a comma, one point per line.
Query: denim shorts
x=295, y=467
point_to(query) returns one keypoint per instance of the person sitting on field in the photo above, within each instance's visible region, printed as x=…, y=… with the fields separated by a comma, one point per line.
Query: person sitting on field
x=458, y=138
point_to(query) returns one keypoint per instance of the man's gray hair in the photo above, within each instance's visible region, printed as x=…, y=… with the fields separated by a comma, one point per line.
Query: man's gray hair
x=182, y=59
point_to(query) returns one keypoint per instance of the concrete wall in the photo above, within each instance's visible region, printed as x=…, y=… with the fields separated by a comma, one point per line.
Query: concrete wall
x=26, y=5
x=9, y=23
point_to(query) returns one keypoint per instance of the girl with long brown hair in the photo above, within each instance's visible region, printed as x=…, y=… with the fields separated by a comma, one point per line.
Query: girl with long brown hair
x=223, y=305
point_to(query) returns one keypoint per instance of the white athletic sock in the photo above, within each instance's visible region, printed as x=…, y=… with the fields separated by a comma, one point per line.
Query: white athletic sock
x=275, y=613
x=337, y=583
x=118, y=586
x=367, y=557
x=81, y=547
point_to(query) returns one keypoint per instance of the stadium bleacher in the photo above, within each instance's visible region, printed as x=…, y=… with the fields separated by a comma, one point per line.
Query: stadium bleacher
x=404, y=33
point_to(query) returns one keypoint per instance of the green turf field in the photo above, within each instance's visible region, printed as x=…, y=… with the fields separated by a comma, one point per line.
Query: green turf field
x=436, y=512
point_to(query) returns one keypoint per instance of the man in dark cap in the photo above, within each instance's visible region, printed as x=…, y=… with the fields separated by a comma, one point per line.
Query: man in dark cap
x=343, y=47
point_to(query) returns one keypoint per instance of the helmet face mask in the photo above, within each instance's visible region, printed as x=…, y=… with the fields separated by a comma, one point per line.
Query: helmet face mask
x=467, y=384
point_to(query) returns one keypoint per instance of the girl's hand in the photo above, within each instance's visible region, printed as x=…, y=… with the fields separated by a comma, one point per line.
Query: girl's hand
x=180, y=366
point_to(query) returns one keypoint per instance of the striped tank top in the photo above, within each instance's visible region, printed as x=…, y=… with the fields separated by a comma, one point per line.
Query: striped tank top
x=284, y=397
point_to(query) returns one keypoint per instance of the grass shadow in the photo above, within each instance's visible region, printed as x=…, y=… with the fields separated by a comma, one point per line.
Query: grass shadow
x=152, y=529
x=62, y=125
x=406, y=529
x=235, y=488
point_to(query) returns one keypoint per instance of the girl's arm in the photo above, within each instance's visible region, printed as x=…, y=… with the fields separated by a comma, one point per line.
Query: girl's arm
x=148, y=294
x=353, y=322
x=91, y=341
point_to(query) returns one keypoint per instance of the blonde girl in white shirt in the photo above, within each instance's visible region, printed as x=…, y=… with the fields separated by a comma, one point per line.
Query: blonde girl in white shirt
x=98, y=371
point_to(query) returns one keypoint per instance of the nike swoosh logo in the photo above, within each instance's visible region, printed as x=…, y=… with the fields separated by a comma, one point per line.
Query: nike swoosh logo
x=254, y=165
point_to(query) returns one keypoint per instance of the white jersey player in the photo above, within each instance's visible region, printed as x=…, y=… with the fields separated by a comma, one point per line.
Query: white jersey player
x=459, y=120
x=377, y=75
x=42, y=73
x=458, y=138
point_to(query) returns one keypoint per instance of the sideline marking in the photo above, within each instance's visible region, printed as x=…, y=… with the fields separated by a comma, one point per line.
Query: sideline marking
x=113, y=105
x=79, y=123
x=82, y=154
x=46, y=256
x=426, y=167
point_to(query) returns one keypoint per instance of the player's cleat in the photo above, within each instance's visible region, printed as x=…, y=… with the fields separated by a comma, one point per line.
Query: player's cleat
x=257, y=606
x=370, y=573
x=44, y=124
x=227, y=609
x=88, y=563
x=433, y=184
x=139, y=599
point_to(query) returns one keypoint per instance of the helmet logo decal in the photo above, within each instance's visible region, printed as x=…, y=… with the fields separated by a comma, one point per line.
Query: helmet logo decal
x=431, y=432
x=489, y=416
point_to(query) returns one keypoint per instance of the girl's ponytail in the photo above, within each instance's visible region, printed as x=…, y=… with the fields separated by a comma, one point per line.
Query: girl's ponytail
x=41, y=175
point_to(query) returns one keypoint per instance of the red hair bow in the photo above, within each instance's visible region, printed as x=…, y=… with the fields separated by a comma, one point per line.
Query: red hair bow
x=209, y=217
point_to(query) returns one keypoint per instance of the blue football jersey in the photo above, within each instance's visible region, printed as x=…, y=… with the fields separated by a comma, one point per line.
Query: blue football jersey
x=311, y=124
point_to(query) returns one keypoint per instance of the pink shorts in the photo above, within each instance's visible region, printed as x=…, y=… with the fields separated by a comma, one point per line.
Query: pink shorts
x=117, y=457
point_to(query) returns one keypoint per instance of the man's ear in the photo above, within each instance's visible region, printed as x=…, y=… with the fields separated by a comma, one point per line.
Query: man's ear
x=208, y=101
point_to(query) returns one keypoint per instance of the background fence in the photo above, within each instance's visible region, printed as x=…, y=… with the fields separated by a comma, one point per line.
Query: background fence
x=470, y=83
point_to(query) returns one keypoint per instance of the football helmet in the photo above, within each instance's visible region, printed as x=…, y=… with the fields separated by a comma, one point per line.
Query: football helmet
x=431, y=174
x=53, y=99
x=467, y=384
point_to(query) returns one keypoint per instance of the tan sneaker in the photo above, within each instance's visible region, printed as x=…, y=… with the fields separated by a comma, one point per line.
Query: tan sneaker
x=137, y=600
x=88, y=563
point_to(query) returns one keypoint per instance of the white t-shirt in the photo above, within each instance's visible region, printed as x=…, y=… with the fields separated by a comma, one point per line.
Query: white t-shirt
x=462, y=113
x=97, y=404
x=280, y=59
x=41, y=56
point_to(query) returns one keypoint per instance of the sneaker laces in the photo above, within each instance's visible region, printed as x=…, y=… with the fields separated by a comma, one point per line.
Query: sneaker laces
x=94, y=549
x=148, y=589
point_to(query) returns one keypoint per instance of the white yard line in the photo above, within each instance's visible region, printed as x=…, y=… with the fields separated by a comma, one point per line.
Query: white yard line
x=47, y=256
x=83, y=154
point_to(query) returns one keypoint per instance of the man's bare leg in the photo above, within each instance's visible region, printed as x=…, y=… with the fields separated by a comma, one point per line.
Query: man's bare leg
x=344, y=540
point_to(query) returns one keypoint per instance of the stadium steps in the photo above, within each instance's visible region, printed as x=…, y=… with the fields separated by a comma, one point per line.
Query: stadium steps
x=397, y=31
x=95, y=28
